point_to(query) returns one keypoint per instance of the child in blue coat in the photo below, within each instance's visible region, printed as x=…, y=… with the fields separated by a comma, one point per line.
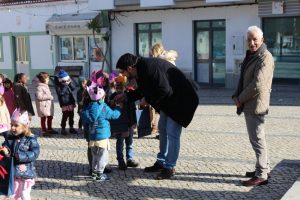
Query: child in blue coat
x=95, y=116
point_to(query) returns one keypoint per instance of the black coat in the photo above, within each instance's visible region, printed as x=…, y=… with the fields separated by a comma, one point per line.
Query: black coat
x=65, y=94
x=22, y=98
x=166, y=88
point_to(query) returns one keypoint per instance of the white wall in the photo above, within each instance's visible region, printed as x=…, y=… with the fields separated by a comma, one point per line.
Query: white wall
x=177, y=30
x=7, y=63
x=40, y=53
x=32, y=17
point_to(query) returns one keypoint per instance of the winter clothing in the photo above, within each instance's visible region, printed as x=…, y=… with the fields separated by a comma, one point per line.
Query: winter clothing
x=165, y=88
x=22, y=98
x=44, y=100
x=64, y=94
x=9, y=97
x=63, y=75
x=96, y=115
x=25, y=150
x=4, y=115
x=254, y=87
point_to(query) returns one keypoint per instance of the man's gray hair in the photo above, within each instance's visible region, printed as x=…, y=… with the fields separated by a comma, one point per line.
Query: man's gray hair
x=255, y=29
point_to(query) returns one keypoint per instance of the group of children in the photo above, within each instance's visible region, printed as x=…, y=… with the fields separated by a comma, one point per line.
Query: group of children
x=100, y=115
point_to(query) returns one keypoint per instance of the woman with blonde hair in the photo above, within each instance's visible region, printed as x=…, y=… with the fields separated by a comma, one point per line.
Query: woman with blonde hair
x=158, y=51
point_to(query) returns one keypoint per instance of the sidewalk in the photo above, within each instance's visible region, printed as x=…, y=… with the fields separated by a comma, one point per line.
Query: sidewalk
x=215, y=154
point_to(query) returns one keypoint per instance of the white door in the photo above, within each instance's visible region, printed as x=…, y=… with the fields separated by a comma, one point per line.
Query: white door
x=22, y=55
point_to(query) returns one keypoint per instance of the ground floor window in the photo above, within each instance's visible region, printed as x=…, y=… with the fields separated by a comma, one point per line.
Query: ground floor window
x=72, y=48
x=147, y=34
x=282, y=36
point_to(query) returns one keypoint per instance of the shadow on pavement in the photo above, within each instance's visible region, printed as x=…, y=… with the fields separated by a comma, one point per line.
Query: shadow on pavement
x=284, y=174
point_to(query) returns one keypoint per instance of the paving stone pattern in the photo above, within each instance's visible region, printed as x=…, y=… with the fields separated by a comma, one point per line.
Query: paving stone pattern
x=215, y=154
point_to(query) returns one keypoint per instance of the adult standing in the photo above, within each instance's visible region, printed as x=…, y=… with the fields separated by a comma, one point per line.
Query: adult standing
x=165, y=88
x=253, y=98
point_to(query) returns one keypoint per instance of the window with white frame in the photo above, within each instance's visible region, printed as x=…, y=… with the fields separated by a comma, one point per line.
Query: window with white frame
x=72, y=48
x=147, y=34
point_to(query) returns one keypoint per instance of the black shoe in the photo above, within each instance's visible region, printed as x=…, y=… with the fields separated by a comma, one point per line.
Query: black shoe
x=122, y=165
x=155, y=168
x=102, y=177
x=166, y=174
x=132, y=163
x=63, y=131
x=90, y=172
x=51, y=131
x=107, y=170
x=252, y=174
x=73, y=131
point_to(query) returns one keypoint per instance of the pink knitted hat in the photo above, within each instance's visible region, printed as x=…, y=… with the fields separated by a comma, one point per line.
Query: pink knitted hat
x=20, y=117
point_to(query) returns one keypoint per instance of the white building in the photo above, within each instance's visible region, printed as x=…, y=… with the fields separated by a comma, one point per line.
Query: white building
x=40, y=35
x=209, y=35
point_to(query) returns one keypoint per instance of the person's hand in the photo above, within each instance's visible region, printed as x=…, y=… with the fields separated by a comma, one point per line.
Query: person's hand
x=133, y=126
x=143, y=103
x=236, y=101
x=4, y=150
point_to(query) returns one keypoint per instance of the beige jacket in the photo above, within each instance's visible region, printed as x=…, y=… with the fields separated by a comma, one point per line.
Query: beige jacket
x=257, y=83
x=44, y=100
x=4, y=115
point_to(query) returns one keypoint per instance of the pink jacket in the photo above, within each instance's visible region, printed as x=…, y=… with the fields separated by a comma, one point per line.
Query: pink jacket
x=10, y=100
x=44, y=100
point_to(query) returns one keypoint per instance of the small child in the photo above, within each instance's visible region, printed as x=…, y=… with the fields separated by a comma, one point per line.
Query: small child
x=44, y=102
x=64, y=88
x=95, y=116
x=22, y=96
x=4, y=116
x=123, y=127
x=9, y=96
x=23, y=147
x=82, y=88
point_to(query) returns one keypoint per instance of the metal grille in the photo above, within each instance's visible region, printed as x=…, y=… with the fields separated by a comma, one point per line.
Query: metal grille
x=291, y=8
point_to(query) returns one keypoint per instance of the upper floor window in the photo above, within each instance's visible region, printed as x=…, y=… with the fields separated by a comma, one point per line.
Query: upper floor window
x=72, y=48
x=147, y=34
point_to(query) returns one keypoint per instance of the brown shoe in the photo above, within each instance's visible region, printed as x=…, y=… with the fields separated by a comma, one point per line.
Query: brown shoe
x=252, y=174
x=255, y=181
x=166, y=174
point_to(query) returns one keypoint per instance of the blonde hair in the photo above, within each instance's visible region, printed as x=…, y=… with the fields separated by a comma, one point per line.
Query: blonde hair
x=26, y=130
x=2, y=100
x=157, y=49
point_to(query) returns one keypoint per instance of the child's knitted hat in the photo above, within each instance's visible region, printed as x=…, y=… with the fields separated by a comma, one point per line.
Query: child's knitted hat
x=95, y=92
x=20, y=117
x=63, y=75
x=112, y=76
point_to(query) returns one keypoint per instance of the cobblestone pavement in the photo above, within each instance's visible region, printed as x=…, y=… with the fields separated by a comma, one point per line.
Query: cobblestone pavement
x=215, y=154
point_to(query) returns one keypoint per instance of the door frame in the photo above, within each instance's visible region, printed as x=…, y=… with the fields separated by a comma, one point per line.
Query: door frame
x=210, y=29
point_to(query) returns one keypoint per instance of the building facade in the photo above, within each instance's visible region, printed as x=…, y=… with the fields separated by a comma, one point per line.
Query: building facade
x=41, y=35
x=209, y=36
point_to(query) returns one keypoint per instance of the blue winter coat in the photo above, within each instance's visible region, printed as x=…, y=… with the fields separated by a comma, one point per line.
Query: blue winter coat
x=25, y=150
x=96, y=115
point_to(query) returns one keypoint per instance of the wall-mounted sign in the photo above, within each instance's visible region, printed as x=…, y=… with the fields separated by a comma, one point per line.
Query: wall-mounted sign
x=277, y=7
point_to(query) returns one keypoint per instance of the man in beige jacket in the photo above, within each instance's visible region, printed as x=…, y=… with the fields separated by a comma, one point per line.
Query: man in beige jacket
x=253, y=98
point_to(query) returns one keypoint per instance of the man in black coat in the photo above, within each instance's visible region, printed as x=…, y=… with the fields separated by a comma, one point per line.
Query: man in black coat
x=167, y=89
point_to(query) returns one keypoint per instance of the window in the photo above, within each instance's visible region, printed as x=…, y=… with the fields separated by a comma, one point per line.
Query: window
x=148, y=34
x=72, y=48
x=1, y=49
x=282, y=37
x=21, y=49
